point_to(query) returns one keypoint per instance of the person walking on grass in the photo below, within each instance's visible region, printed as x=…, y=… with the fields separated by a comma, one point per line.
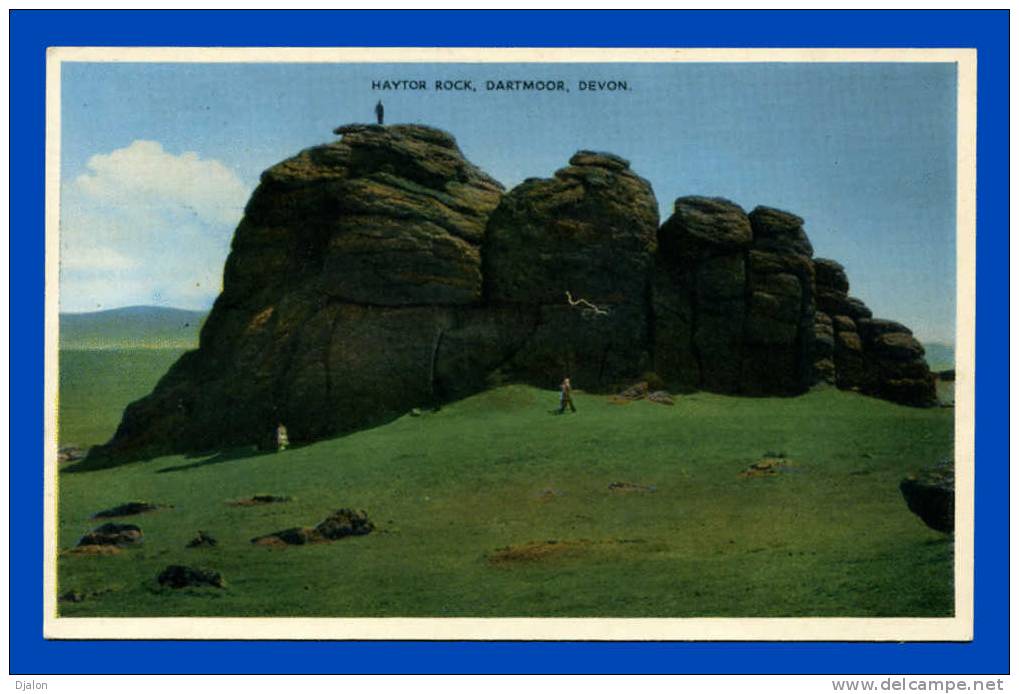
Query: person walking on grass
x=282, y=440
x=566, y=396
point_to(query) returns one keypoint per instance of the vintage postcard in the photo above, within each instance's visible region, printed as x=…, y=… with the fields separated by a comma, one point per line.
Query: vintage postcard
x=510, y=344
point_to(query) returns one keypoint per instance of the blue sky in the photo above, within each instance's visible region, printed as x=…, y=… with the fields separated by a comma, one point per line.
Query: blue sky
x=157, y=160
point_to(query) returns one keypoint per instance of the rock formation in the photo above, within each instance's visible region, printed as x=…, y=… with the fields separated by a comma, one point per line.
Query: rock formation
x=700, y=297
x=591, y=231
x=352, y=261
x=383, y=272
x=875, y=356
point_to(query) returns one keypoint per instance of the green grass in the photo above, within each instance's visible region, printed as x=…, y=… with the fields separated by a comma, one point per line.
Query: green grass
x=829, y=536
x=96, y=385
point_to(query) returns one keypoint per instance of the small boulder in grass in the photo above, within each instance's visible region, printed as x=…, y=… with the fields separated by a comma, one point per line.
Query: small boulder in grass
x=662, y=397
x=769, y=465
x=116, y=534
x=261, y=499
x=179, y=576
x=68, y=454
x=289, y=536
x=344, y=522
x=340, y=524
x=130, y=508
x=630, y=487
x=635, y=392
x=202, y=539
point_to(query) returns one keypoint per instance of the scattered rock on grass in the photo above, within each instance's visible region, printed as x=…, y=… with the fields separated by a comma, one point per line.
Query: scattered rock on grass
x=290, y=536
x=202, y=539
x=771, y=464
x=628, y=487
x=662, y=397
x=635, y=392
x=344, y=522
x=642, y=391
x=178, y=576
x=130, y=508
x=259, y=499
x=340, y=524
x=116, y=534
x=931, y=495
x=68, y=454
x=80, y=596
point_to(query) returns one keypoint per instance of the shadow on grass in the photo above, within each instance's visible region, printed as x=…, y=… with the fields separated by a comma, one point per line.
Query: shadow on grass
x=207, y=458
x=221, y=457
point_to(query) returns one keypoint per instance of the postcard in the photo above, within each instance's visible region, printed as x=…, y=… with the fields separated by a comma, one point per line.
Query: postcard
x=521, y=344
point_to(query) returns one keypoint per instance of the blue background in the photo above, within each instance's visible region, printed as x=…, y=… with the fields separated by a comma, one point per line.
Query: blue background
x=32, y=31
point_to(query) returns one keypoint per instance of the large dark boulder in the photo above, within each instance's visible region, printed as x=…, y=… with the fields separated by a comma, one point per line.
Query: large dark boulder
x=575, y=254
x=700, y=224
x=836, y=303
x=830, y=274
x=898, y=371
x=390, y=216
x=779, y=354
x=780, y=232
x=699, y=294
x=589, y=230
x=930, y=494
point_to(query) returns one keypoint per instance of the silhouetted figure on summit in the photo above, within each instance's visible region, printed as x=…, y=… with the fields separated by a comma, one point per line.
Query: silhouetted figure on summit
x=380, y=112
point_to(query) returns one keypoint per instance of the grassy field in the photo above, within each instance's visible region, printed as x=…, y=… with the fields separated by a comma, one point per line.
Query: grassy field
x=96, y=385
x=494, y=507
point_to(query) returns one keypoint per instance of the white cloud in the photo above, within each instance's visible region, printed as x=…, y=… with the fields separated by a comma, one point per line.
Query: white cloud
x=144, y=173
x=144, y=226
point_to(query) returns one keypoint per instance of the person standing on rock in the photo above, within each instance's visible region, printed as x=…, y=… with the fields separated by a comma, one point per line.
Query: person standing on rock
x=566, y=396
x=282, y=440
x=380, y=112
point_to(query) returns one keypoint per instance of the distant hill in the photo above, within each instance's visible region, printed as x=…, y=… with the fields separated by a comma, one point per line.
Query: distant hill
x=940, y=356
x=137, y=327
